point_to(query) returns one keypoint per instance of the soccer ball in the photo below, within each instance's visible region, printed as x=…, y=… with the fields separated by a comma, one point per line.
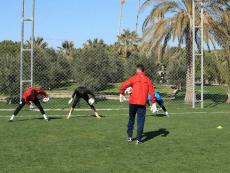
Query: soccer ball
x=91, y=101
x=128, y=90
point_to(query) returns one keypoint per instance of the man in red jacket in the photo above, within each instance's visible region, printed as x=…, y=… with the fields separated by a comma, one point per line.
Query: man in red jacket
x=32, y=95
x=141, y=86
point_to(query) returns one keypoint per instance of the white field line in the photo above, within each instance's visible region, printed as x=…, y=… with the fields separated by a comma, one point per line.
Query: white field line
x=118, y=109
x=81, y=115
x=181, y=113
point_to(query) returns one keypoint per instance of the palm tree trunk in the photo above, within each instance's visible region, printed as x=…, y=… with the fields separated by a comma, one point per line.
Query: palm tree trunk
x=138, y=13
x=121, y=16
x=228, y=100
x=189, y=75
x=228, y=92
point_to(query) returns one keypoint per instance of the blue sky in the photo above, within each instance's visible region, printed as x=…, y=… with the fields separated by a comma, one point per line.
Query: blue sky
x=75, y=20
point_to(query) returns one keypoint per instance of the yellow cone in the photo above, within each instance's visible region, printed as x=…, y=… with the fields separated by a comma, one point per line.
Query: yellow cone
x=219, y=127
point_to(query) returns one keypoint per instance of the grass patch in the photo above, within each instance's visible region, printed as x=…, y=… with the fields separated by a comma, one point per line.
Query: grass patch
x=187, y=142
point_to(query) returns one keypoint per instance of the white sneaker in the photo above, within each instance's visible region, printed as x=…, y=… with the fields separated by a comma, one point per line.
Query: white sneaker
x=12, y=118
x=138, y=142
x=97, y=115
x=130, y=139
x=167, y=114
x=45, y=117
x=68, y=116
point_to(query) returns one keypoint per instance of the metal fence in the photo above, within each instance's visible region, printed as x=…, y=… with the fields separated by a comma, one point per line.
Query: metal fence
x=102, y=68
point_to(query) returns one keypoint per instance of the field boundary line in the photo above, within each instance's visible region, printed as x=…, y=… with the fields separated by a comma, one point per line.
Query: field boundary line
x=81, y=115
x=67, y=109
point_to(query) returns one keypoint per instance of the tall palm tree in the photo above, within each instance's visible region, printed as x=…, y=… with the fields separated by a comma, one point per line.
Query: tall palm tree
x=95, y=43
x=138, y=13
x=224, y=41
x=67, y=49
x=170, y=20
x=122, y=2
x=67, y=45
x=127, y=43
x=39, y=42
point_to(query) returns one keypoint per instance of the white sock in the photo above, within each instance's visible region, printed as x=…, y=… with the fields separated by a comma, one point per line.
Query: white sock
x=45, y=117
x=97, y=115
x=69, y=116
x=12, y=117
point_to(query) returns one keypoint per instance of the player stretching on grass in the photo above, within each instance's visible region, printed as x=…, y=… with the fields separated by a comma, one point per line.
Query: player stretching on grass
x=159, y=101
x=87, y=95
x=32, y=95
x=141, y=85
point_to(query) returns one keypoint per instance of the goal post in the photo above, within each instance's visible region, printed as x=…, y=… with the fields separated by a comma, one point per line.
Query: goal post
x=26, y=75
x=198, y=51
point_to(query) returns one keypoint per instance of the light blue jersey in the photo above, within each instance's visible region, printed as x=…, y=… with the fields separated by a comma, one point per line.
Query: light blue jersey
x=157, y=95
x=159, y=101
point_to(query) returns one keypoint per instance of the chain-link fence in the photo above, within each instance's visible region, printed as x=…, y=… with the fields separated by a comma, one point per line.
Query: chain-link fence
x=165, y=50
x=103, y=70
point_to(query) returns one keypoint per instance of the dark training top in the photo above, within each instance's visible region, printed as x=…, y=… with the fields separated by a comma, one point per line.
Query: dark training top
x=83, y=92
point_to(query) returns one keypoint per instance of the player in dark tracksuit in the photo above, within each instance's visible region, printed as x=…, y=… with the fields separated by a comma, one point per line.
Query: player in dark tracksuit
x=32, y=95
x=159, y=101
x=87, y=95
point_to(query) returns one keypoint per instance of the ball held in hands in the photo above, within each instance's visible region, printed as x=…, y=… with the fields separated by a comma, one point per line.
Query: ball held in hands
x=91, y=101
x=129, y=90
x=45, y=99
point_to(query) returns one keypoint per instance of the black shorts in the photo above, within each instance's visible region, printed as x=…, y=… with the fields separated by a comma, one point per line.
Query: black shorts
x=82, y=93
x=76, y=101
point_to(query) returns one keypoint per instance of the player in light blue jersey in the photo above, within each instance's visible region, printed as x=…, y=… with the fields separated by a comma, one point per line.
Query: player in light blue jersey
x=159, y=101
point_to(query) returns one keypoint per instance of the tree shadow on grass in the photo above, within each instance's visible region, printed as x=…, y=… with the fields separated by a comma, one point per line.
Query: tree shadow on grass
x=215, y=99
x=54, y=118
x=212, y=99
x=153, y=134
x=158, y=115
x=86, y=116
x=41, y=118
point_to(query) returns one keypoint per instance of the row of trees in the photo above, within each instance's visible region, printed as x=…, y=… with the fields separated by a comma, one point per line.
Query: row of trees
x=98, y=65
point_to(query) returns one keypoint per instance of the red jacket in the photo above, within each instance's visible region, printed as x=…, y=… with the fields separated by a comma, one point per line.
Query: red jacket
x=141, y=86
x=29, y=96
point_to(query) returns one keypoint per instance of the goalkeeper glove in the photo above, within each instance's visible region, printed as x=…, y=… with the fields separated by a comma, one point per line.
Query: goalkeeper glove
x=70, y=101
x=45, y=99
x=122, y=98
x=31, y=106
x=153, y=108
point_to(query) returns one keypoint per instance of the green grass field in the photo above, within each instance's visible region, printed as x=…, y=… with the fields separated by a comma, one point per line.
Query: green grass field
x=187, y=142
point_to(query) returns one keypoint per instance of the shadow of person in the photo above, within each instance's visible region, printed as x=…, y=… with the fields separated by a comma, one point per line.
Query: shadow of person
x=159, y=115
x=153, y=134
x=54, y=118
x=86, y=116
x=40, y=118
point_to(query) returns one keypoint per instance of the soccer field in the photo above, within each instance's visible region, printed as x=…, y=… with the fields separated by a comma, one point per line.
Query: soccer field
x=187, y=142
